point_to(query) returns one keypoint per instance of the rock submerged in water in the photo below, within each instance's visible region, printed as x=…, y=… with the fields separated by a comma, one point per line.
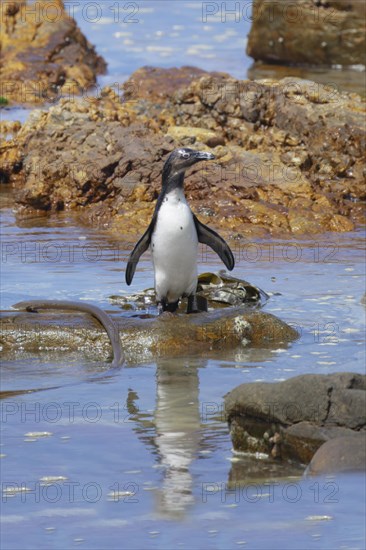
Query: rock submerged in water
x=291, y=420
x=314, y=32
x=142, y=338
x=290, y=155
x=44, y=53
x=219, y=289
x=341, y=454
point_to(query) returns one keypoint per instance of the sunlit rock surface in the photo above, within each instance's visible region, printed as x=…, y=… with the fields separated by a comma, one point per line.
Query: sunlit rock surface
x=142, y=338
x=44, y=53
x=289, y=155
x=290, y=420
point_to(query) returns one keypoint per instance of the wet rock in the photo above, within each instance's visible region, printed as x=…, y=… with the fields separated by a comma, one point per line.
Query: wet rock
x=219, y=289
x=290, y=420
x=226, y=290
x=308, y=32
x=289, y=156
x=44, y=53
x=342, y=454
x=141, y=338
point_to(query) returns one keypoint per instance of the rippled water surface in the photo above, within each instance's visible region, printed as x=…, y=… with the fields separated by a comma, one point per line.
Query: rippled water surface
x=141, y=457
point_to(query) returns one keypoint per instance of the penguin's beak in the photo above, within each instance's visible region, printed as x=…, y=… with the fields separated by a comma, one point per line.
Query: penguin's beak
x=203, y=155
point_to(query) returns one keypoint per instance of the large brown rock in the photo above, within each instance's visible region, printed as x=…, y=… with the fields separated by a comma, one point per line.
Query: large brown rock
x=342, y=454
x=289, y=155
x=156, y=83
x=292, y=419
x=44, y=54
x=141, y=338
x=314, y=32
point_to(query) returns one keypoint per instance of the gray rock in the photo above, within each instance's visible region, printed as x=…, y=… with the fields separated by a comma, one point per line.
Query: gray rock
x=342, y=454
x=292, y=419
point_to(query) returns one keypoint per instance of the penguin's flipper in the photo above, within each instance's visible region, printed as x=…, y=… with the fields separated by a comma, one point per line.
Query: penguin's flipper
x=213, y=240
x=141, y=247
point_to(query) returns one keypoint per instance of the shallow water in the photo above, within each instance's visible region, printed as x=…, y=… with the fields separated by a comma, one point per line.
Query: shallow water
x=142, y=458
x=209, y=35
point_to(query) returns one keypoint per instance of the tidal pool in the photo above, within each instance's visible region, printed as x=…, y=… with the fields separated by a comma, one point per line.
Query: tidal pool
x=142, y=457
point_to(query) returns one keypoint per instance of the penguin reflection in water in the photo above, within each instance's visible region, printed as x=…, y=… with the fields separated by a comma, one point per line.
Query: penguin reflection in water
x=173, y=236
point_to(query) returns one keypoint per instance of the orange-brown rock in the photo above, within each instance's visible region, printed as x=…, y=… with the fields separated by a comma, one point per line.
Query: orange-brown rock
x=289, y=156
x=156, y=83
x=44, y=54
x=314, y=32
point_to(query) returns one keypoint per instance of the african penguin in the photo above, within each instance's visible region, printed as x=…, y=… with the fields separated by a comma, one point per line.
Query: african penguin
x=173, y=236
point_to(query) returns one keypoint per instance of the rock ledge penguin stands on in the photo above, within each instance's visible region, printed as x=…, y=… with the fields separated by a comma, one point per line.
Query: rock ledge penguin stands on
x=173, y=236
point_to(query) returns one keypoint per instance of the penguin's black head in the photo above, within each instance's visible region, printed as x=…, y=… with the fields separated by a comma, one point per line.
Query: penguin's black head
x=181, y=159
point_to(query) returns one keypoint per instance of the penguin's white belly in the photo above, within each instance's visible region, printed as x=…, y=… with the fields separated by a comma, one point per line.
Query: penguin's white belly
x=174, y=249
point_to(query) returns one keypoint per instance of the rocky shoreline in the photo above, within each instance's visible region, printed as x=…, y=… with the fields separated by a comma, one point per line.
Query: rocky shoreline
x=290, y=160
x=290, y=154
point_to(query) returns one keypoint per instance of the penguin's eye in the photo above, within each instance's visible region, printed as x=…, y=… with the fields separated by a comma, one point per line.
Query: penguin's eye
x=185, y=155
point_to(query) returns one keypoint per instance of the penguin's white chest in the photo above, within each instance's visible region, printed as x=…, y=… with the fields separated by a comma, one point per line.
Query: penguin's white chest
x=174, y=249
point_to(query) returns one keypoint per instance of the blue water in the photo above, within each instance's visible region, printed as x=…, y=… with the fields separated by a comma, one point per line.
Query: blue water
x=142, y=458
x=168, y=34
x=144, y=455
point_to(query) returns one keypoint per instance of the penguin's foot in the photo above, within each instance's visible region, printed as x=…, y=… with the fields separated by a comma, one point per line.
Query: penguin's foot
x=196, y=304
x=166, y=307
